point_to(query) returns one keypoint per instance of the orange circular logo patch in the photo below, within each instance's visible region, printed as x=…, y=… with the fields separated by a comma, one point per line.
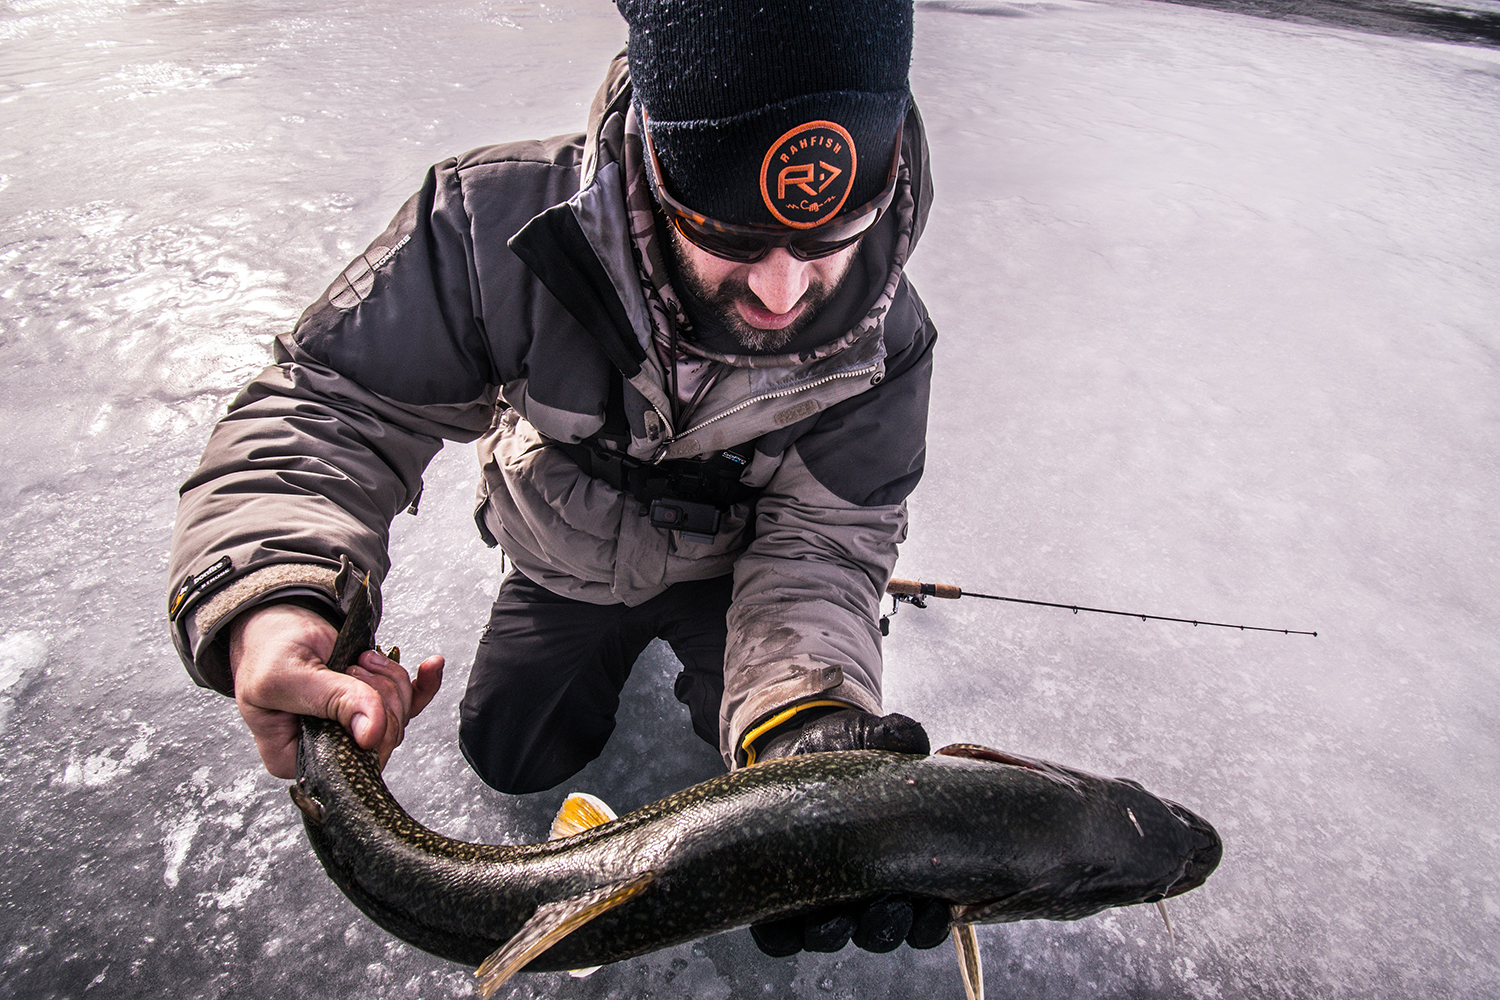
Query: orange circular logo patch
x=808, y=173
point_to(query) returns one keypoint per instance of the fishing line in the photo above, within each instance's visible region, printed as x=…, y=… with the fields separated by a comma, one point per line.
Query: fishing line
x=916, y=593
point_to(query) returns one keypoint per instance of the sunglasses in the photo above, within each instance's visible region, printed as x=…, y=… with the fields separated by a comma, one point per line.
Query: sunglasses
x=746, y=244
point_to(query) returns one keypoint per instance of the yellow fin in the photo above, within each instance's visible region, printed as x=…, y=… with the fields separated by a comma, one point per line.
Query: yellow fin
x=580, y=811
x=550, y=924
x=968, y=960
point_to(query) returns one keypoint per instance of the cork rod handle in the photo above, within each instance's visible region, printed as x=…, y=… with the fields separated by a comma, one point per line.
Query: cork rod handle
x=915, y=587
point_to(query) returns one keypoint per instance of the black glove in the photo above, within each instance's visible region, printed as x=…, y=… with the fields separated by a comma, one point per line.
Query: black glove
x=880, y=925
x=819, y=729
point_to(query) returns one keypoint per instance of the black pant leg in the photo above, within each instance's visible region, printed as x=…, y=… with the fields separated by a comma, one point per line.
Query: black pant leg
x=545, y=686
x=693, y=621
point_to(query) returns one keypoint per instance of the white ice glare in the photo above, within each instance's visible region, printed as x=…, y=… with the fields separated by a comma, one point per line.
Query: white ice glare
x=1219, y=339
x=23, y=655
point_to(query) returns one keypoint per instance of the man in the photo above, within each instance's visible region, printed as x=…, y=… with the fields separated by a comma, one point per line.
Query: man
x=699, y=382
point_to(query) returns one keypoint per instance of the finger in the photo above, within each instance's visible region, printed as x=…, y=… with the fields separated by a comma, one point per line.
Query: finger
x=929, y=923
x=899, y=734
x=327, y=694
x=385, y=674
x=829, y=931
x=394, y=689
x=392, y=681
x=425, y=686
x=883, y=925
x=402, y=696
x=778, y=938
x=387, y=747
x=306, y=689
x=389, y=670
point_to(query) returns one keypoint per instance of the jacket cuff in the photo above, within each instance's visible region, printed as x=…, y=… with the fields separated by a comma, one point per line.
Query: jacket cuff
x=201, y=636
x=801, y=678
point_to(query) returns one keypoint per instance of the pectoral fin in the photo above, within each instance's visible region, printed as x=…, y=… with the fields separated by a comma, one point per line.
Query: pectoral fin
x=550, y=924
x=580, y=811
x=968, y=960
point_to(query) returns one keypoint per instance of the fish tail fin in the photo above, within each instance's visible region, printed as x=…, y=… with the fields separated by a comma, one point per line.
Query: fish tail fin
x=580, y=811
x=550, y=924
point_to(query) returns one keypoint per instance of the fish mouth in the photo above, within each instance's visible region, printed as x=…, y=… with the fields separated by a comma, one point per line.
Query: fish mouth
x=1207, y=850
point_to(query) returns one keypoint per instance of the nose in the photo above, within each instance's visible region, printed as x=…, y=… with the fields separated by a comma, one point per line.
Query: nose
x=779, y=280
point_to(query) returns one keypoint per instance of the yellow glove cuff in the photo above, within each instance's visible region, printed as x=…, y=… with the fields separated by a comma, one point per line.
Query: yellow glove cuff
x=748, y=742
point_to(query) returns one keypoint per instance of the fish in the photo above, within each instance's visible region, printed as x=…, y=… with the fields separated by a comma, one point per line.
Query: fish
x=998, y=837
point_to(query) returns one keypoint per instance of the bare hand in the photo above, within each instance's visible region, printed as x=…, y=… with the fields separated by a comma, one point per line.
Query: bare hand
x=278, y=658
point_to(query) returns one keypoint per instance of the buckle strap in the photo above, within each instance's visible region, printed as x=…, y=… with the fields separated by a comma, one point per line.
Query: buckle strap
x=714, y=481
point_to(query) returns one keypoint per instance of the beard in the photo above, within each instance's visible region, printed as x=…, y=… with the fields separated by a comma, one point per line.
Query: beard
x=720, y=301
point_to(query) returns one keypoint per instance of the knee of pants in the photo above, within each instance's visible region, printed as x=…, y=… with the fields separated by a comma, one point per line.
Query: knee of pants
x=702, y=695
x=519, y=760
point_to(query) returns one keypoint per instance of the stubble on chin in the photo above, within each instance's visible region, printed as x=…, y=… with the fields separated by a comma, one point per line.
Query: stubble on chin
x=722, y=298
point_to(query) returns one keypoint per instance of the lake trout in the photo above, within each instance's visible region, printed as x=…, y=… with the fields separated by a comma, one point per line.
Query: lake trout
x=998, y=837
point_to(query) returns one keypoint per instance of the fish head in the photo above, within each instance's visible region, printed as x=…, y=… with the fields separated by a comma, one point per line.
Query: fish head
x=1175, y=850
x=1204, y=848
x=1103, y=842
x=1207, y=850
x=1158, y=848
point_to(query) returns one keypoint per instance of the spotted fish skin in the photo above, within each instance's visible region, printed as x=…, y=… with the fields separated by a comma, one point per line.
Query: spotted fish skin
x=1001, y=838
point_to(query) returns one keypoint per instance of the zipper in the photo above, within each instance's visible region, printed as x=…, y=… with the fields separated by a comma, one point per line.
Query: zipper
x=661, y=450
x=778, y=394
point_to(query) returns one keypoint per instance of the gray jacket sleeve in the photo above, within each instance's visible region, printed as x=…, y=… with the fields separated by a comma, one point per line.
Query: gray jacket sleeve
x=299, y=483
x=803, y=624
x=301, y=478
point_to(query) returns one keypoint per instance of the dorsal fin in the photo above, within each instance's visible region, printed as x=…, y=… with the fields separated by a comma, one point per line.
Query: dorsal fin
x=550, y=924
x=580, y=811
x=1055, y=772
x=976, y=752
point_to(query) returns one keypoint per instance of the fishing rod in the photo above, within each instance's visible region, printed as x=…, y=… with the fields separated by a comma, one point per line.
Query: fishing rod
x=915, y=592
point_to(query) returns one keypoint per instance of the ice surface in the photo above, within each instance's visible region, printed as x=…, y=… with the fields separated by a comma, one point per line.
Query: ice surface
x=1219, y=340
x=22, y=656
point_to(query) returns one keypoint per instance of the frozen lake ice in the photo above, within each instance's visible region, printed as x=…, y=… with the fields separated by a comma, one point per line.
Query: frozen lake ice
x=1220, y=339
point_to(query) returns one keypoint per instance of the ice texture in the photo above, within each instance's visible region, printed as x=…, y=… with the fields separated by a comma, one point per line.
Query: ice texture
x=1220, y=339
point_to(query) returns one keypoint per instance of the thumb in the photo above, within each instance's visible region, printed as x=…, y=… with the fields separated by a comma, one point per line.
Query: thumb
x=356, y=706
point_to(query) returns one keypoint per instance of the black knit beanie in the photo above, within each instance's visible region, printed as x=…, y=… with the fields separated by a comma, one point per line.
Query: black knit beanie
x=776, y=112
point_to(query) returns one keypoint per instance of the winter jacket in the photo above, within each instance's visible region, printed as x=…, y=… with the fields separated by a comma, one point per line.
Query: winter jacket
x=504, y=304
